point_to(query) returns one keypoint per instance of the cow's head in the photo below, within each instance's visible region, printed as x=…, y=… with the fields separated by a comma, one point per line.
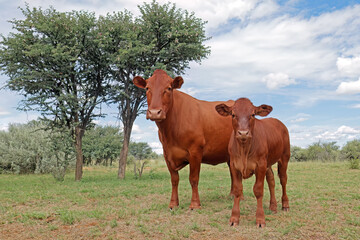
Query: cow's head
x=243, y=120
x=159, y=92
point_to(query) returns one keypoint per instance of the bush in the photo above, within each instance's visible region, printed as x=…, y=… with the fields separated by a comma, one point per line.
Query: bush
x=323, y=152
x=139, y=154
x=298, y=154
x=351, y=152
x=102, y=145
x=30, y=148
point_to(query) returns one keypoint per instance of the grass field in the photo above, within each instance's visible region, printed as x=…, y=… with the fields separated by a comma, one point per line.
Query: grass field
x=324, y=204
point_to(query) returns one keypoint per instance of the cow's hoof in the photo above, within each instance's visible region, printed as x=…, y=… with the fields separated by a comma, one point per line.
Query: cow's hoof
x=173, y=205
x=260, y=225
x=194, y=206
x=233, y=222
x=286, y=209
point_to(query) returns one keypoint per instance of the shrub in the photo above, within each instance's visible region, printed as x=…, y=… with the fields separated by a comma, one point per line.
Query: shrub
x=30, y=148
x=351, y=152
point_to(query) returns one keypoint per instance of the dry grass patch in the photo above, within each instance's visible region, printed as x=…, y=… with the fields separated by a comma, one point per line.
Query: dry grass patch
x=324, y=204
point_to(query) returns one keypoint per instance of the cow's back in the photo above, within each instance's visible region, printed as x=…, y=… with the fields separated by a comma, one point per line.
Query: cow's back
x=193, y=124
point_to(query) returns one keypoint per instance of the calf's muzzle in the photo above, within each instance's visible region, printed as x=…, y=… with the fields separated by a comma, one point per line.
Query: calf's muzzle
x=243, y=135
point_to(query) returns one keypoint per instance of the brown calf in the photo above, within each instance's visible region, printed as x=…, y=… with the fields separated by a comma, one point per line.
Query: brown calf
x=255, y=145
x=190, y=130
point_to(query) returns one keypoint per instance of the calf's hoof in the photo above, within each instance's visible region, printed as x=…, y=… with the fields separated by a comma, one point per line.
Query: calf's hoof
x=234, y=221
x=260, y=225
x=286, y=209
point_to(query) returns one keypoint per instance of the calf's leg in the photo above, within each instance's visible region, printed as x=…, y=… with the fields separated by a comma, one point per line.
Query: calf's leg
x=237, y=191
x=258, y=189
x=271, y=183
x=232, y=193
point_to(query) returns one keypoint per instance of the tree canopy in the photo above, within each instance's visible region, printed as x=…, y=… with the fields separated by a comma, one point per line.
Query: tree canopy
x=66, y=64
x=162, y=36
x=55, y=61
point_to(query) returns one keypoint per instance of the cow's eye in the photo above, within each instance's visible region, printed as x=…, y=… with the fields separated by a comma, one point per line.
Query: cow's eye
x=233, y=115
x=169, y=88
x=147, y=89
x=253, y=115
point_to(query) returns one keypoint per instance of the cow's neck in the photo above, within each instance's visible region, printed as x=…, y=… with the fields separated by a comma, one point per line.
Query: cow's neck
x=173, y=119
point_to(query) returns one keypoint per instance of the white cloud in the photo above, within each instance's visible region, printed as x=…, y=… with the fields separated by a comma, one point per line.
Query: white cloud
x=218, y=12
x=349, y=87
x=136, y=129
x=303, y=136
x=297, y=120
x=191, y=91
x=299, y=117
x=4, y=113
x=355, y=106
x=264, y=9
x=349, y=66
x=156, y=147
x=347, y=130
x=277, y=80
x=304, y=49
x=343, y=132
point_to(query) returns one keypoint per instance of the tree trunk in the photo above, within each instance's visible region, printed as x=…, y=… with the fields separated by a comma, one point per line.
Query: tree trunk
x=124, y=150
x=130, y=102
x=79, y=133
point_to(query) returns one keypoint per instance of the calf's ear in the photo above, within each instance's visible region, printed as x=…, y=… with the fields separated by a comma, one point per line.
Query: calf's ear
x=139, y=82
x=263, y=110
x=177, y=82
x=223, y=109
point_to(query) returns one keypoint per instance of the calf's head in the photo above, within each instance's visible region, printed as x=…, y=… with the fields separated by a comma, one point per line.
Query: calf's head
x=243, y=114
x=159, y=93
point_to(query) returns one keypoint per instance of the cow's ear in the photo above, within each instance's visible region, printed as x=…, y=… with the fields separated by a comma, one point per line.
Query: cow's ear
x=177, y=82
x=139, y=82
x=263, y=110
x=223, y=109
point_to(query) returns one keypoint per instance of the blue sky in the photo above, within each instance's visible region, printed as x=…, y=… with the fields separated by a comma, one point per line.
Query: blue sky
x=301, y=57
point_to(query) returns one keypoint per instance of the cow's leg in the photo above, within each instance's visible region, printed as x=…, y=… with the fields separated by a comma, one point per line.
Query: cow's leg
x=282, y=168
x=195, y=163
x=232, y=193
x=271, y=183
x=237, y=191
x=174, y=201
x=260, y=173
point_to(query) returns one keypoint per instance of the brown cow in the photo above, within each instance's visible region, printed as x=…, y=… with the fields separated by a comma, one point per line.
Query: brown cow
x=255, y=145
x=190, y=130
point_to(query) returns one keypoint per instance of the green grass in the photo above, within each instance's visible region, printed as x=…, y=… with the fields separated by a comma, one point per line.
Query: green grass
x=324, y=204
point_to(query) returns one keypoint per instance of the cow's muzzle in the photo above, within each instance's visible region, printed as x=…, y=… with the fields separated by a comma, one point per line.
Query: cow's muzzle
x=243, y=136
x=155, y=114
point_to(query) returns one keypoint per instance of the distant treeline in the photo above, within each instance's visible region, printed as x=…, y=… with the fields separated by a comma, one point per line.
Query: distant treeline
x=328, y=152
x=32, y=148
